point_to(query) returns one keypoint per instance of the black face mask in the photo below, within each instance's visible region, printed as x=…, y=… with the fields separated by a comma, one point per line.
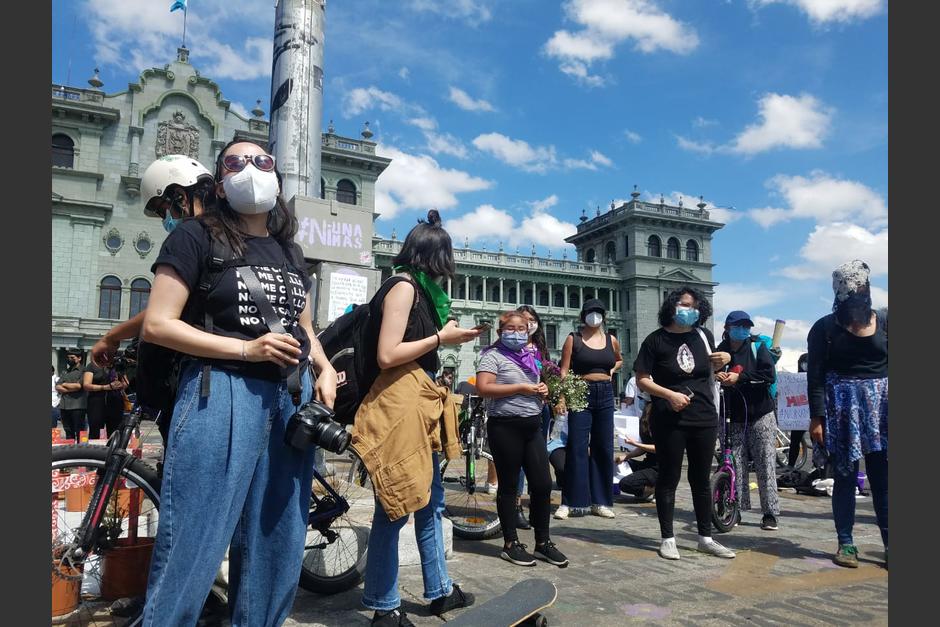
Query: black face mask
x=854, y=309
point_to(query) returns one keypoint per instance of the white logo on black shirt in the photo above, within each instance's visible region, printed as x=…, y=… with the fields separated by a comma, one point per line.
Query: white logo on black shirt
x=685, y=359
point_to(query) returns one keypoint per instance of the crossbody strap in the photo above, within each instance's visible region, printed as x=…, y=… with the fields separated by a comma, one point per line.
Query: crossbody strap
x=716, y=388
x=273, y=321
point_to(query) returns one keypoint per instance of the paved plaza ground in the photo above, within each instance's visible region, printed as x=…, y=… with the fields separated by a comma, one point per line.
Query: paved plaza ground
x=784, y=577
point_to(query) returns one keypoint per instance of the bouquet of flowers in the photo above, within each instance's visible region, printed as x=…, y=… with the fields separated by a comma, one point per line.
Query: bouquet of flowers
x=571, y=389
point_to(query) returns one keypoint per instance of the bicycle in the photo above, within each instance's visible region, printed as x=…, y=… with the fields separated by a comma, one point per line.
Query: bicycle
x=726, y=511
x=782, y=447
x=93, y=515
x=466, y=502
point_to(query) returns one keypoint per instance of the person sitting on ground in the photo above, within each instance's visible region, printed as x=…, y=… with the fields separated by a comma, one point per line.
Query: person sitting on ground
x=508, y=378
x=641, y=482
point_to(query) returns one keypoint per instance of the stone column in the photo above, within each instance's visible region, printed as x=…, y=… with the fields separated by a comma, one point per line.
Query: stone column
x=134, y=166
x=551, y=296
x=502, y=297
x=466, y=282
x=613, y=303
x=581, y=296
x=484, y=291
x=450, y=290
x=535, y=296
x=518, y=293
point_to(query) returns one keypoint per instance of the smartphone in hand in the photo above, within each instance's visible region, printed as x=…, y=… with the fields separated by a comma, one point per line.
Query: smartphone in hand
x=483, y=326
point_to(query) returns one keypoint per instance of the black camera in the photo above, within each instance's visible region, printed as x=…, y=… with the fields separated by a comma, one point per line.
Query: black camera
x=313, y=423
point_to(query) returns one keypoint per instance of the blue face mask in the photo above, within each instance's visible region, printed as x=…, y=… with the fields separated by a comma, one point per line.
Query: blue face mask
x=739, y=333
x=169, y=222
x=514, y=340
x=686, y=316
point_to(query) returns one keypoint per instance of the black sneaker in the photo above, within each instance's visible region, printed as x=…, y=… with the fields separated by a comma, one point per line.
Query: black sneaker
x=521, y=521
x=456, y=599
x=550, y=553
x=391, y=618
x=768, y=522
x=517, y=554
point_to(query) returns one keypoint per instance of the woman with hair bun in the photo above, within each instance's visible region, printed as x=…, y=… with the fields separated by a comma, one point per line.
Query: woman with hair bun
x=394, y=427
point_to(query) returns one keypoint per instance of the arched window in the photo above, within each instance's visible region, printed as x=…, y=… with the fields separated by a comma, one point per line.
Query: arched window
x=626, y=245
x=512, y=295
x=672, y=249
x=528, y=297
x=654, y=246
x=691, y=250
x=140, y=295
x=495, y=292
x=559, y=299
x=478, y=292
x=589, y=255
x=574, y=302
x=346, y=192
x=611, y=252
x=63, y=151
x=543, y=298
x=109, y=300
x=322, y=189
x=462, y=289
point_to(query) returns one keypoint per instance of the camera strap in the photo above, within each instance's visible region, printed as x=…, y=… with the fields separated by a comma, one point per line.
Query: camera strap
x=273, y=320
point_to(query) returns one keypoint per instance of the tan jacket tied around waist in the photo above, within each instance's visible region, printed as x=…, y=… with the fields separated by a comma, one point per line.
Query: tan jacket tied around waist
x=402, y=419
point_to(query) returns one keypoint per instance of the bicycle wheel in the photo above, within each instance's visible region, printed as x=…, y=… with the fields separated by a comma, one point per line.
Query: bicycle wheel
x=335, y=551
x=725, y=512
x=804, y=457
x=467, y=504
x=118, y=562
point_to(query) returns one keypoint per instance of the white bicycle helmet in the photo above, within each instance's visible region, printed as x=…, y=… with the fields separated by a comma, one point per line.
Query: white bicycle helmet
x=170, y=170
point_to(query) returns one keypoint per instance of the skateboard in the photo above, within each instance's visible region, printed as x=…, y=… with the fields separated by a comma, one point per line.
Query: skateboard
x=520, y=605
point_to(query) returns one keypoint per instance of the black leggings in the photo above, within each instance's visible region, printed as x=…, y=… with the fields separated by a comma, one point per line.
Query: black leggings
x=516, y=442
x=699, y=444
x=104, y=413
x=796, y=440
x=642, y=476
x=73, y=421
x=557, y=459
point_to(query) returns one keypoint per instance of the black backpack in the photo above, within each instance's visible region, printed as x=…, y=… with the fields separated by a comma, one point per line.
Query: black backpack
x=158, y=367
x=350, y=344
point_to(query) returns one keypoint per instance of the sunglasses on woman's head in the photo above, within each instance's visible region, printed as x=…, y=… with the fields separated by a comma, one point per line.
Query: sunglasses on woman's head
x=237, y=163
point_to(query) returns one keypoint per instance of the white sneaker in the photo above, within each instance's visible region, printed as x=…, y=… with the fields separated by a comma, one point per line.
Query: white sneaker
x=562, y=512
x=668, y=549
x=603, y=511
x=713, y=548
x=491, y=488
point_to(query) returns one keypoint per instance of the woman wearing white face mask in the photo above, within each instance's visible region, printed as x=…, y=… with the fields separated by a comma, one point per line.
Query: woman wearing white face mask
x=228, y=474
x=594, y=355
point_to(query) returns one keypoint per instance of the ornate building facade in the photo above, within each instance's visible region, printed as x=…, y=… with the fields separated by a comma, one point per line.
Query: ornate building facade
x=103, y=245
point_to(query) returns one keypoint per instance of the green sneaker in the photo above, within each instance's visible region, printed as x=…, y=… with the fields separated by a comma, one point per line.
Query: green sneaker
x=846, y=556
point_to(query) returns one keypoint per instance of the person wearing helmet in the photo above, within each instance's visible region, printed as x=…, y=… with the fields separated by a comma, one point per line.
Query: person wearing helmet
x=173, y=187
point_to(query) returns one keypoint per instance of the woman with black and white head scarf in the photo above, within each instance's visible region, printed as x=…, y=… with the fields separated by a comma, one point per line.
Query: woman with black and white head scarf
x=847, y=380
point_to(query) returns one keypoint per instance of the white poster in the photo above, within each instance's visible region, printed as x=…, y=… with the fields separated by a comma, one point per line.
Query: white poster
x=792, y=401
x=626, y=425
x=346, y=290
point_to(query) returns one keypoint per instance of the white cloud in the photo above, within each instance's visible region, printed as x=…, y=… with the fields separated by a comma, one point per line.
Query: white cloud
x=470, y=11
x=517, y=152
x=241, y=110
x=879, y=297
x=700, y=122
x=486, y=222
x=824, y=11
x=768, y=216
x=703, y=148
x=824, y=199
x=445, y=143
x=424, y=123
x=792, y=341
x=600, y=158
x=632, y=136
x=404, y=73
x=831, y=245
x=725, y=215
x=749, y=297
x=118, y=38
x=362, y=99
x=419, y=182
x=607, y=23
x=545, y=203
x=786, y=122
x=596, y=159
x=463, y=100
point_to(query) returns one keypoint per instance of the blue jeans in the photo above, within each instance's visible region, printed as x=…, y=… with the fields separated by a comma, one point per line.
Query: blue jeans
x=381, y=581
x=843, y=496
x=589, y=452
x=228, y=477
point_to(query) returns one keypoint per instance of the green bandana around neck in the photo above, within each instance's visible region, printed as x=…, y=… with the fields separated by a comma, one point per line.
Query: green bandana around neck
x=439, y=297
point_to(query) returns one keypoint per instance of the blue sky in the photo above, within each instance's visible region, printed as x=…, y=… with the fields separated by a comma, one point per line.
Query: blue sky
x=513, y=117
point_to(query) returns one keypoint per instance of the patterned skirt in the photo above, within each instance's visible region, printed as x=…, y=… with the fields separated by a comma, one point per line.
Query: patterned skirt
x=856, y=419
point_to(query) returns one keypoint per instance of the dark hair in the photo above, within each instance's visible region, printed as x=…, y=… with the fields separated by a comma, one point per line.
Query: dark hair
x=428, y=248
x=645, y=421
x=667, y=312
x=504, y=317
x=802, y=362
x=223, y=221
x=538, y=338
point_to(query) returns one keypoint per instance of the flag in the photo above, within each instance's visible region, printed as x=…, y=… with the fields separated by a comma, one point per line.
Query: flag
x=179, y=4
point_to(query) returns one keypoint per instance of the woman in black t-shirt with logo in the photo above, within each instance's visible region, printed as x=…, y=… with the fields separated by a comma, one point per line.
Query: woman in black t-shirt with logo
x=228, y=475
x=680, y=359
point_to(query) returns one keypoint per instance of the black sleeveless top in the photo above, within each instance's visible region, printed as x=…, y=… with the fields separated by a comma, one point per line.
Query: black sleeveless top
x=420, y=320
x=587, y=360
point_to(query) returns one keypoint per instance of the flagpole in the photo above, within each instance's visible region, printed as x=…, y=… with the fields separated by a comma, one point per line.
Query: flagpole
x=185, y=11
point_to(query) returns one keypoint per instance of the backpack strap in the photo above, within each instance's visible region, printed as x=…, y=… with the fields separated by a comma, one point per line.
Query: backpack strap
x=715, y=386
